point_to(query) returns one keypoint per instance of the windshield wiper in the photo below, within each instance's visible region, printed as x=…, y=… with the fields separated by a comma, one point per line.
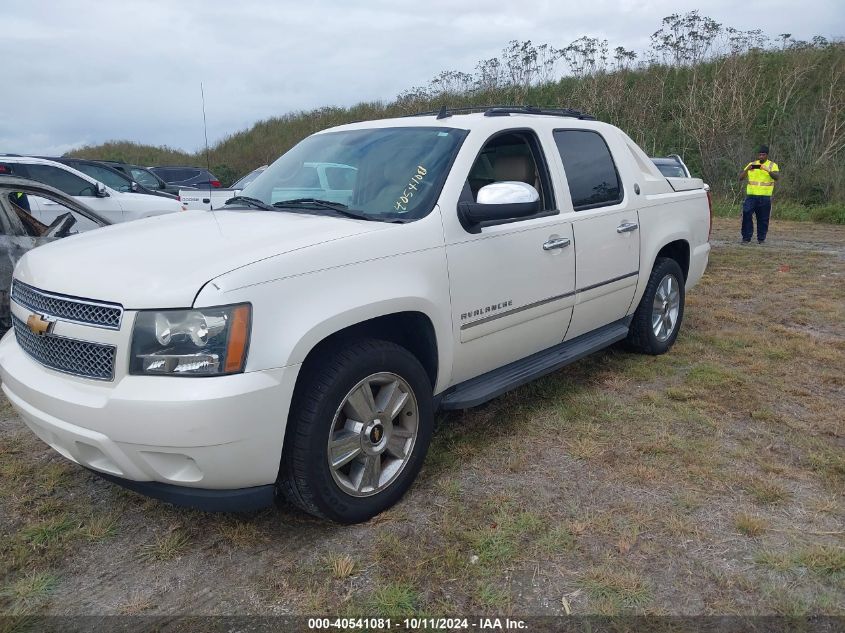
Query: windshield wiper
x=315, y=203
x=253, y=202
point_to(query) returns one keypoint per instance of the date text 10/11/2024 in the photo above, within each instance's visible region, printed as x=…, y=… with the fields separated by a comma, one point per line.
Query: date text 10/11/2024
x=416, y=624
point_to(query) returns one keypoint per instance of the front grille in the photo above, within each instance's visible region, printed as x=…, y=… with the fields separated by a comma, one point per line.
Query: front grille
x=67, y=308
x=71, y=356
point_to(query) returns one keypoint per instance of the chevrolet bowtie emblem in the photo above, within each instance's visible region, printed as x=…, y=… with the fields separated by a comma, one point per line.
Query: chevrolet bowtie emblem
x=37, y=324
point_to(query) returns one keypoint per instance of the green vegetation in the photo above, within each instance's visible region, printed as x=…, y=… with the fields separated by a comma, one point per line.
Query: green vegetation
x=708, y=92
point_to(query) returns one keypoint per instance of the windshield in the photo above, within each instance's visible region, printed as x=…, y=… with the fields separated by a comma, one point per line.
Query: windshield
x=144, y=177
x=671, y=169
x=383, y=174
x=243, y=182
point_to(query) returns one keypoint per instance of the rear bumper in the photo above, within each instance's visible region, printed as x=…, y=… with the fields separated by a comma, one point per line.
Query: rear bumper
x=698, y=264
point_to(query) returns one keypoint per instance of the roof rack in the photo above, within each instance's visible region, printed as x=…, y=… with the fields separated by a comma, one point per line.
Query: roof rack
x=506, y=110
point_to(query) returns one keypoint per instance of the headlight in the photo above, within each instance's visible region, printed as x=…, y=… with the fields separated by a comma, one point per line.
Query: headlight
x=201, y=342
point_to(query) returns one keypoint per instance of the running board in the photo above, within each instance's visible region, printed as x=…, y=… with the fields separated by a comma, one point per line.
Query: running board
x=494, y=383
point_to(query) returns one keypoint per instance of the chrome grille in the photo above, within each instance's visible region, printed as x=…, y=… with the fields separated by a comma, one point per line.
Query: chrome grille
x=67, y=308
x=71, y=356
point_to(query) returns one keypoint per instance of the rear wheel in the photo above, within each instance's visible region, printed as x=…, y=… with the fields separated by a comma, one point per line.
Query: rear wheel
x=358, y=432
x=657, y=320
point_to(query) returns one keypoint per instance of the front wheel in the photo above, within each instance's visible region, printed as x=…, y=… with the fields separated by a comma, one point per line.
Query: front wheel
x=657, y=320
x=358, y=432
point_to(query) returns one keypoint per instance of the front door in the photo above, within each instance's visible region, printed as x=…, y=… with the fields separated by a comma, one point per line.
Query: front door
x=512, y=283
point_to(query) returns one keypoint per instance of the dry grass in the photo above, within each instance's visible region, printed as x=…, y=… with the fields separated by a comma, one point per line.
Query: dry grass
x=165, y=547
x=240, y=533
x=341, y=566
x=705, y=481
x=750, y=525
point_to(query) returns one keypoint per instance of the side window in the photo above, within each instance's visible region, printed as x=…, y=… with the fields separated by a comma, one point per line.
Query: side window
x=590, y=171
x=105, y=176
x=513, y=156
x=171, y=174
x=61, y=180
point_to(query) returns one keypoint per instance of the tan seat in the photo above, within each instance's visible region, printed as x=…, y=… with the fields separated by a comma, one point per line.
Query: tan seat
x=518, y=167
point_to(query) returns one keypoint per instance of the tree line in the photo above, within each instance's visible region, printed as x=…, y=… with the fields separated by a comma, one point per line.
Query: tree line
x=706, y=91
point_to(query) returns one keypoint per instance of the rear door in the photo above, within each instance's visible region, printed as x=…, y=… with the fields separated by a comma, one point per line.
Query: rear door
x=605, y=224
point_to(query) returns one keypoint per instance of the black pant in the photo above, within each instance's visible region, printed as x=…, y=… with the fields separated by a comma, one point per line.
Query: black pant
x=760, y=206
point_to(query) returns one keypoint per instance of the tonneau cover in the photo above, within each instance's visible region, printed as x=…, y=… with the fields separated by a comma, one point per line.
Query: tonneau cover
x=686, y=184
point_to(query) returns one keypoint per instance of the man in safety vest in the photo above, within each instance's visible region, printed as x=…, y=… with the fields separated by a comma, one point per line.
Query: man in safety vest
x=761, y=175
x=20, y=199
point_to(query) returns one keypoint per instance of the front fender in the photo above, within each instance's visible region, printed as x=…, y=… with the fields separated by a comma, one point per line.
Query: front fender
x=293, y=314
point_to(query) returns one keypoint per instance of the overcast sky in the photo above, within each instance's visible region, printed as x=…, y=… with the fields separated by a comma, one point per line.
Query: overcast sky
x=79, y=72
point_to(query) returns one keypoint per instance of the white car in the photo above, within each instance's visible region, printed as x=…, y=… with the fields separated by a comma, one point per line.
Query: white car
x=212, y=198
x=117, y=206
x=300, y=346
x=331, y=181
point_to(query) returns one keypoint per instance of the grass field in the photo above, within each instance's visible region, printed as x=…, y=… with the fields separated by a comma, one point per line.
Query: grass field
x=706, y=481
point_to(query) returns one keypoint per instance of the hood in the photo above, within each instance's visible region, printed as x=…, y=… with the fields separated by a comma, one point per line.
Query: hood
x=162, y=262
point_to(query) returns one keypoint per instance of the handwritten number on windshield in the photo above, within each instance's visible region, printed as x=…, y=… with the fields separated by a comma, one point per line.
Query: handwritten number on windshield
x=401, y=204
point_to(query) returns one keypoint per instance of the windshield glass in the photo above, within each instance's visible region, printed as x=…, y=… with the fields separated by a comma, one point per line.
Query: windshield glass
x=144, y=177
x=386, y=173
x=670, y=169
x=243, y=182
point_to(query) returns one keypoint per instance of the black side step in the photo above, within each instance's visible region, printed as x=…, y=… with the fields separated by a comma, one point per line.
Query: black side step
x=494, y=383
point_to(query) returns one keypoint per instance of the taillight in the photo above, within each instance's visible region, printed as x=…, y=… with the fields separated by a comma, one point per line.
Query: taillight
x=710, y=206
x=215, y=183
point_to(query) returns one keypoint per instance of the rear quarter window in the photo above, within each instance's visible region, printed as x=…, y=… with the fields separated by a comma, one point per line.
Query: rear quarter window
x=175, y=174
x=590, y=170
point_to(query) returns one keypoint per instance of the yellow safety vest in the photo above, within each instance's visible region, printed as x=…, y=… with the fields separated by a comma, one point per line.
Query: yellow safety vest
x=760, y=182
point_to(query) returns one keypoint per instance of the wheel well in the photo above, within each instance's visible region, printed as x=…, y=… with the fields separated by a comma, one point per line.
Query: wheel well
x=412, y=330
x=679, y=251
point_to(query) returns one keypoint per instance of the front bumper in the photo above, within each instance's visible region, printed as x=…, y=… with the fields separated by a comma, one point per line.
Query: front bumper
x=215, y=433
x=236, y=500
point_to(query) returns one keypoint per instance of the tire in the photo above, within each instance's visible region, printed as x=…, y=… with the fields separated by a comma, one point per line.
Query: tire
x=375, y=459
x=657, y=320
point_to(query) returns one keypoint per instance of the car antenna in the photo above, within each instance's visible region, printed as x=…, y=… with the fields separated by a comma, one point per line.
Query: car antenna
x=205, y=129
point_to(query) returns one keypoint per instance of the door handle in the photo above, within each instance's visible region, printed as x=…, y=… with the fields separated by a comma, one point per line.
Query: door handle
x=627, y=227
x=558, y=242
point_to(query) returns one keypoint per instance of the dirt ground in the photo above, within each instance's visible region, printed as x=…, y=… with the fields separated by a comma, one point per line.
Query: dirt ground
x=706, y=481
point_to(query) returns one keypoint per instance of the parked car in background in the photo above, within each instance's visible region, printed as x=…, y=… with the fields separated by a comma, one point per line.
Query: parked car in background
x=20, y=231
x=327, y=181
x=187, y=177
x=241, y=183
x=671, y=166
x=208, y=199
x=143, y=176
x=117, y=206
x=108, y=175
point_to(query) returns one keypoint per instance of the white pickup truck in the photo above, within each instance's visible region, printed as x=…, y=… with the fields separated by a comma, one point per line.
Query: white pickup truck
x=209, y=199
x=300, y=346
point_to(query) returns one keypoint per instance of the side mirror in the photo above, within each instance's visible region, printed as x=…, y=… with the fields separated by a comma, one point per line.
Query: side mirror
x=101, y=191
x=499, y=202
x=134, y=187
